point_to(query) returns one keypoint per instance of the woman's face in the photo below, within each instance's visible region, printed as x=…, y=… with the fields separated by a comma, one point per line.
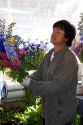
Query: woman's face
x=58, y=36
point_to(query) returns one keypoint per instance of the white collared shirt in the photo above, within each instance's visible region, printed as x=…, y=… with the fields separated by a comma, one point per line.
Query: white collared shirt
x=52, y=56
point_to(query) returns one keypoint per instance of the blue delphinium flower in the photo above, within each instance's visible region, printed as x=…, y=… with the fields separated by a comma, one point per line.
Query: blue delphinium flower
x=2, y=44
x=32, y=48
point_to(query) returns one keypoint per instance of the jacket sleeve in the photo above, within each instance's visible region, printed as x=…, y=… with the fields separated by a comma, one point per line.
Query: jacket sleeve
x=60, y=80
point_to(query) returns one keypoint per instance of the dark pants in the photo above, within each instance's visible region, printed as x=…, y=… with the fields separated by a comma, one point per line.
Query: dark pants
x=43, y=121
x=81, y=121
x=68, y=123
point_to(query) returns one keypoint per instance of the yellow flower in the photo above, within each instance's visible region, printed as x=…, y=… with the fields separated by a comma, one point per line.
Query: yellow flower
x=12, y=40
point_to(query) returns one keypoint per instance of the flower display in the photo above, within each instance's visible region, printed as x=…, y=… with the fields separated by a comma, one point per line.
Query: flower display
x=17, y=56
x=77, y=46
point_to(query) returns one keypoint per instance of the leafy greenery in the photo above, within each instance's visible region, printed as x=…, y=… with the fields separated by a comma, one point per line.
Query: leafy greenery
x=77, y=120
x=24, y=116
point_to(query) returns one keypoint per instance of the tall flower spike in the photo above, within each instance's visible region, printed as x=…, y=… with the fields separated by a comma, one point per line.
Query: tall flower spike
x=9, y=32
x=2, y=27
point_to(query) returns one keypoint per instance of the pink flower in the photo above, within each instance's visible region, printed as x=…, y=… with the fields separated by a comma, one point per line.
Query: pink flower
x=21, y=51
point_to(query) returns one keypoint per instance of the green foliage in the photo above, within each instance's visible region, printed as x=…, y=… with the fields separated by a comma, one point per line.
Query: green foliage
x=77, y=120
x=26, y=116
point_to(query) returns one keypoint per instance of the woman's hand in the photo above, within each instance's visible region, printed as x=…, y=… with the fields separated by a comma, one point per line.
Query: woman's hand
x=26, y=81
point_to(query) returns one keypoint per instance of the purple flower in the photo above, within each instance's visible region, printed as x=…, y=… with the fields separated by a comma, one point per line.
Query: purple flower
x=81, y=51
x=77, y=50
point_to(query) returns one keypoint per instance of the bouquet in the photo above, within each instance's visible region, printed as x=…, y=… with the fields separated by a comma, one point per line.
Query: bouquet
x=17, y=56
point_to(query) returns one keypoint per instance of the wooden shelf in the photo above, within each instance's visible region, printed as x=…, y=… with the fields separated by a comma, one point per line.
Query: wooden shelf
x=12, y=105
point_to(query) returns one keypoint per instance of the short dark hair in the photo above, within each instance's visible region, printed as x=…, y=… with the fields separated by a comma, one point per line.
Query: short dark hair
x=68, y=28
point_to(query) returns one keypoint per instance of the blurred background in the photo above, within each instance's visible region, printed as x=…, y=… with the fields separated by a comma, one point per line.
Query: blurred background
x=34, y=18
